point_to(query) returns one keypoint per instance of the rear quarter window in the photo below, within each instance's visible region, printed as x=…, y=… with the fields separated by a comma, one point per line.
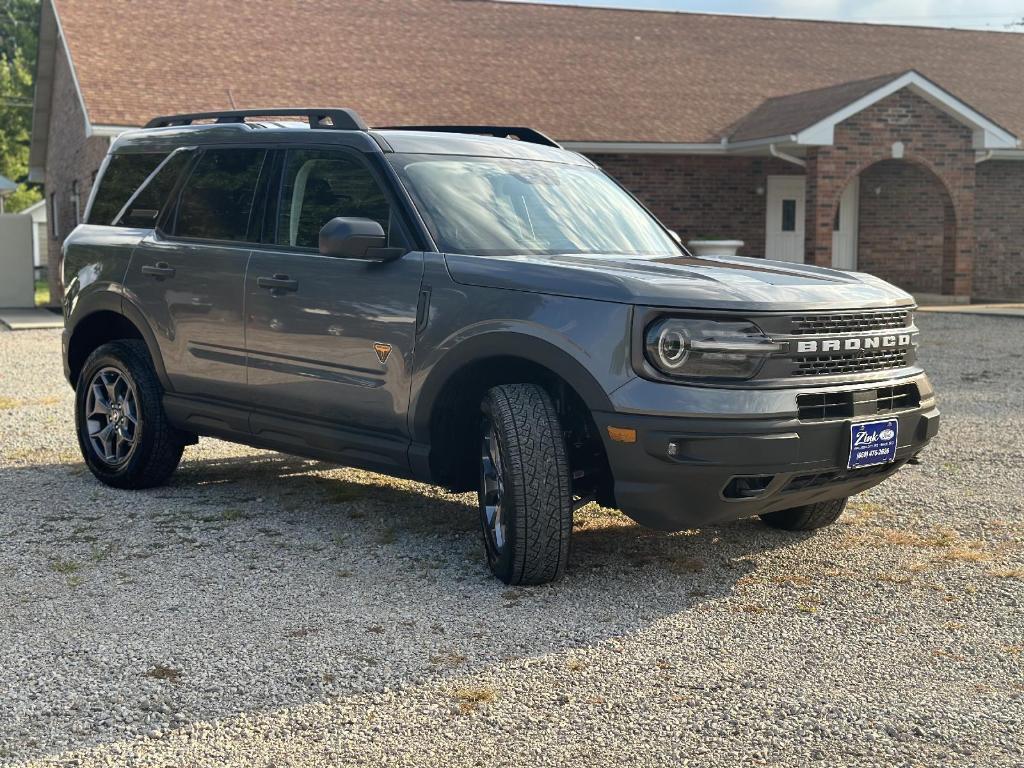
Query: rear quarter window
x=144, y=209
x=123, y=175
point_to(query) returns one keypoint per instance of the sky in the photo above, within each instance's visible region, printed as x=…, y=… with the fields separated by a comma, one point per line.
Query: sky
x=968, y=14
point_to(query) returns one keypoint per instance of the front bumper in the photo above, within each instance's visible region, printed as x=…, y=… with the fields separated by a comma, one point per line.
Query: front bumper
x=754, y=435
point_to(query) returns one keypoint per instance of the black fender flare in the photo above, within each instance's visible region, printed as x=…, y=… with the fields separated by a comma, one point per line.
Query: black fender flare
x=502, y=343
x=112, y=301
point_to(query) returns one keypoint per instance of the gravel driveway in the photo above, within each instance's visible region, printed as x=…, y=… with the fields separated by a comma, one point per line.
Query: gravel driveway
x=264, y=610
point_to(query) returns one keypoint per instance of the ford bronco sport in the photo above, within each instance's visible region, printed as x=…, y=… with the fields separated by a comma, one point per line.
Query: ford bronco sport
x=474, y=307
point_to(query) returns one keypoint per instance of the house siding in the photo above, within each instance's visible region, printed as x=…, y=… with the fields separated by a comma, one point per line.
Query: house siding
x=702, y=196
x=929, y=139
x=999, y=229
x=71, y=156
x=902, y=226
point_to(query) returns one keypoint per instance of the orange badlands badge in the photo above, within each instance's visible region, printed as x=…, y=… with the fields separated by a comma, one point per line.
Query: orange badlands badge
x=382, y=350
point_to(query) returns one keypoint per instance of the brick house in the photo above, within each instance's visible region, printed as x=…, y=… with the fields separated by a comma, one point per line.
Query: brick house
x=892, y=150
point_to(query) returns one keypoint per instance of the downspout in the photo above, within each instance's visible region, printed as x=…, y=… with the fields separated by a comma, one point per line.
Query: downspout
x=788, y=158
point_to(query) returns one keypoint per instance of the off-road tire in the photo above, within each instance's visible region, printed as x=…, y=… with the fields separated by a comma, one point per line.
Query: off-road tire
x=537, y=495
x=158, y=445
x=807, y=517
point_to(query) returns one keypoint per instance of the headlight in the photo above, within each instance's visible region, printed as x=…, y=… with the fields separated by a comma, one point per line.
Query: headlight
x=696, y=348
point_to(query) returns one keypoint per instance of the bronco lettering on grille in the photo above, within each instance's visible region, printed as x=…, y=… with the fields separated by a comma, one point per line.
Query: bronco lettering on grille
x=853, y=343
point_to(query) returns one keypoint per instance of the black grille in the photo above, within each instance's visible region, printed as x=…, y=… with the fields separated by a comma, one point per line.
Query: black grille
x=849, y=322
x=850, y=362
x=818, y=406
x=825, y=405
x=897, y=398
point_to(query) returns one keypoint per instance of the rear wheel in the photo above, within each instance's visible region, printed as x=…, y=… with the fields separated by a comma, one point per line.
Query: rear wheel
x=525, y=487
x=807, y=517
x=123, y=433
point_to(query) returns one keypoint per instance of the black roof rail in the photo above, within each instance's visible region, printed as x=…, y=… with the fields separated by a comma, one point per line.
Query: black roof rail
x=501, y=131
x=336, y=118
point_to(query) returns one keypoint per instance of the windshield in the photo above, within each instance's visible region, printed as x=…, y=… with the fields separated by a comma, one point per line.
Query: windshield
x=499, y=206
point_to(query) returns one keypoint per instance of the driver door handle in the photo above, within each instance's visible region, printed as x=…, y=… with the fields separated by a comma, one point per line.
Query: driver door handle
x=159, y=270
x=278, y=283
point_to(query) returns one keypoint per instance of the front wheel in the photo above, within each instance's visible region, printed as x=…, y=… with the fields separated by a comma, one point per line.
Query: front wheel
x=806, y=518
x=525, y=485
x=123, y=433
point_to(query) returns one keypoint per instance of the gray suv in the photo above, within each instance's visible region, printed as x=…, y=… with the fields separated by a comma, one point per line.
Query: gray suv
x=474, y=307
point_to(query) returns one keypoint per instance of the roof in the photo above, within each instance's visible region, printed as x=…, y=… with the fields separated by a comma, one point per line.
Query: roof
x=576, y=73
x=282, y=133
x=7, y=186
x=810, y=117
x=786, y=115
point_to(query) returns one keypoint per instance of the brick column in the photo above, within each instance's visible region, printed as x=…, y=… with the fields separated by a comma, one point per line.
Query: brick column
x=820, y=205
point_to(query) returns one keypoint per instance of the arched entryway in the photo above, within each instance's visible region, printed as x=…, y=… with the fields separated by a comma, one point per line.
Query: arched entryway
x=896, y=219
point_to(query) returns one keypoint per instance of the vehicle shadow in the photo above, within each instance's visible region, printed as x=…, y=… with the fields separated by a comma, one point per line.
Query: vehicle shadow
x=265, y=581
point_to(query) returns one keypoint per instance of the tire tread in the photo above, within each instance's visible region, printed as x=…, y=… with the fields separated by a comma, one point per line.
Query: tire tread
x=807, y=517
x=540, y=481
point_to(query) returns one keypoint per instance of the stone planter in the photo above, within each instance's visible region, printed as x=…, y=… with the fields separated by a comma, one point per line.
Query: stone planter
x=714, y=247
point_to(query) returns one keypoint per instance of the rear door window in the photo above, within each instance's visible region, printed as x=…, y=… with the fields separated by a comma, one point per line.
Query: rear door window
x=216, y=202
x=123, y=175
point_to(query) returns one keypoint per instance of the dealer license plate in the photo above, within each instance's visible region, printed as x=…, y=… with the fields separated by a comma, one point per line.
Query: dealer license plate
x=873, y=442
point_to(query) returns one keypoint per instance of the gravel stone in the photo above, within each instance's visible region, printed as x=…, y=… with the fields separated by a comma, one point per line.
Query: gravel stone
x=267, y=610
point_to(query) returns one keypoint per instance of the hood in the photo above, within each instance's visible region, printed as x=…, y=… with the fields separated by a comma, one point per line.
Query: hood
x=732, y=283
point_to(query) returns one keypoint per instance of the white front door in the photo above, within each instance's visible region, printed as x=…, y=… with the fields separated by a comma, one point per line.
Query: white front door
x=784, y=238
x=844, y=228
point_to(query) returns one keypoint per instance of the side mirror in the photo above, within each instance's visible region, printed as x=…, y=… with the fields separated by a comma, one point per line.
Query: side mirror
x=675, y=236
x=356, y=238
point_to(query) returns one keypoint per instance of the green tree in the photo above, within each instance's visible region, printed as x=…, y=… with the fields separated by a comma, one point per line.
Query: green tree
x=18, y=38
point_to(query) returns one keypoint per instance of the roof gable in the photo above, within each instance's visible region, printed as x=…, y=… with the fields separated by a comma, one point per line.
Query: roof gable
x=789, y=114
x=810, y=117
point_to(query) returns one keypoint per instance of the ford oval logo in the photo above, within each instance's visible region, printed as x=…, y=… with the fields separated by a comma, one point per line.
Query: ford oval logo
x=887, y=434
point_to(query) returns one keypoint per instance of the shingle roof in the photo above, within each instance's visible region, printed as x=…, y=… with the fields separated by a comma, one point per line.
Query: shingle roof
x=576, y=73
x=785, y=115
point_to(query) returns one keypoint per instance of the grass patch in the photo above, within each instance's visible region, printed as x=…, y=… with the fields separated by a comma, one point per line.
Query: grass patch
x=964, y=555
x=341, y=492
x=1007, y=573
x=471, y=698
x=42, y=291
x=448, y=659
x=58, y=565
x=808, y=606
x=164, y=672
x=101, y=553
